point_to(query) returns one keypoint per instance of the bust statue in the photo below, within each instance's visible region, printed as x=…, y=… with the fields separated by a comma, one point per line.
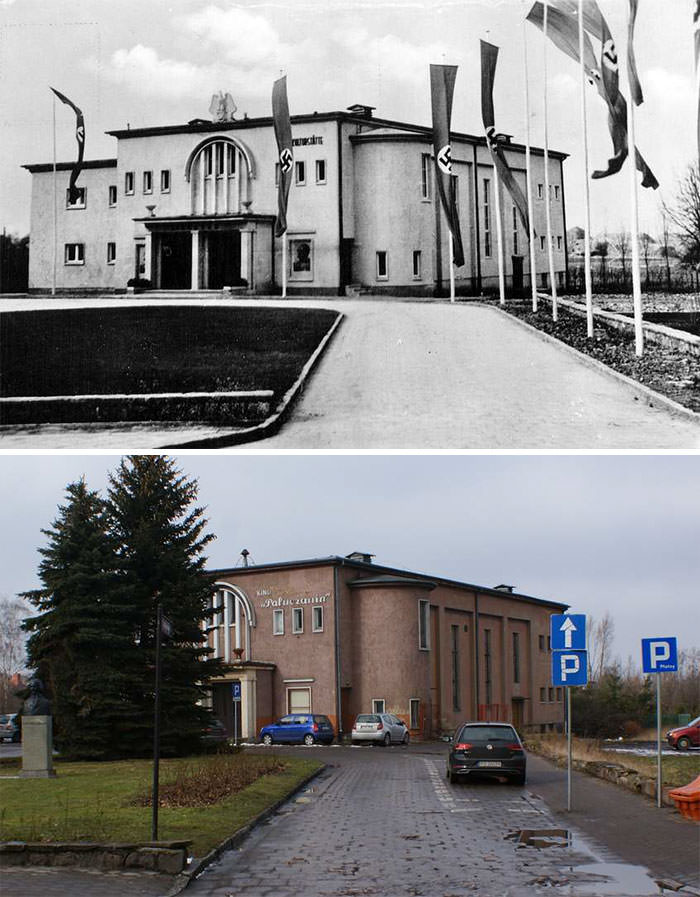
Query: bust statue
x=37, y=704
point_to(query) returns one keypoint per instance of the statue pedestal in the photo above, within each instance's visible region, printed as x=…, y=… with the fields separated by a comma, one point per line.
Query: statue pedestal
x=37, y=747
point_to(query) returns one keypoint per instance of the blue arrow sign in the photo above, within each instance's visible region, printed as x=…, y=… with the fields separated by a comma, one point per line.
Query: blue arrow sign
x=659, y=655
x=236, y=691
x=570, y=668
x=568, y=632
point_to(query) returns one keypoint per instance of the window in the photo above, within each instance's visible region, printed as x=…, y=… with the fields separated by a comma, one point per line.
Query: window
x=165, y=180
x=111, y=253
x=551, y=694
x=231, y=157
x=416, y=264
x=558, y=242
x=320, y=171
x=540, y=191
x=208, y=161
x=300, y=173
x=556, y=191
x=80, y=198
x=425, y=174
x=544, y=280
x=148, y=182
x=112, y=195
x=298, y=700
x=297, y=619
x=74, y=254
x=277, y=174
x=378, y=705
x=549, y=642
x=414, y=713
x=140, y=260
x=560, y=278
x=424, y=625
x=487, y=665
x=301, y=254
x=541, y=642
x=487, y=217
x=516, y=657
x=454, y=644
x=382, y=265
x=317, y=619
x=515, y=231
x=129, y=183
x=220, y=159
x=559, y=694
x=278, y=622
x=543, y=243
x=543, y=695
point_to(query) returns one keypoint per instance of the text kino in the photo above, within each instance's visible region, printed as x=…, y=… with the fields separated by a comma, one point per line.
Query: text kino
x=286, y=602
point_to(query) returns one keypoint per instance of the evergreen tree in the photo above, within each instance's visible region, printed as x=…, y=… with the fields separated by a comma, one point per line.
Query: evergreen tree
x=81, y=642
x=160, y=539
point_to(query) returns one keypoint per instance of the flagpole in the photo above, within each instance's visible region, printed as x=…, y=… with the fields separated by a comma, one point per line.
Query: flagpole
x=452, y=265
x=55, y=205
x=284, y=265
x=499, y=239
x=586, y=175
x=636, y=277
x=528, y=177
x=550, y=249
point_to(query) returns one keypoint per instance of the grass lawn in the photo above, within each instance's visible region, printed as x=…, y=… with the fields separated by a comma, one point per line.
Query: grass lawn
x=104, y=801
x=148, y=349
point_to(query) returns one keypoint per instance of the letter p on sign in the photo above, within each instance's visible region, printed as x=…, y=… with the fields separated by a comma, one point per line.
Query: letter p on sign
x=659, y=655
x=569, y=668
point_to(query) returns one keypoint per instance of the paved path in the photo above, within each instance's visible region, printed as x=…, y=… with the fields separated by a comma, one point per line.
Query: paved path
x=427, y=376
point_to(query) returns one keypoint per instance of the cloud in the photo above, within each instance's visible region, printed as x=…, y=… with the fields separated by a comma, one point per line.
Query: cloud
x=247, y=39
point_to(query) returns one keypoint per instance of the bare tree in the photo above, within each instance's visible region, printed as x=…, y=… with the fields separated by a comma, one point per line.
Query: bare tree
x=622, y=244
x=12, y=642
x=647, y=243
x=666, y=247
x=684, y=212
x=599, y=638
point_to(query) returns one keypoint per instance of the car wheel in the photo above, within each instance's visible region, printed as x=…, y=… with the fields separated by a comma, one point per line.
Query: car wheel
x=267, y=738
x=387, y=740
x=308, y=740
x=683, y=743
x=406, y=738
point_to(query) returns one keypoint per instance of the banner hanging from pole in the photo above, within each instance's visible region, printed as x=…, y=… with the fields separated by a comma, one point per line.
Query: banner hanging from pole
x=283, y=134
x=442, y=84
x=73, y=194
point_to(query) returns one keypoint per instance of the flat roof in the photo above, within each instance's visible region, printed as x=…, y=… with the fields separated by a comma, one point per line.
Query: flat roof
x=377, y=570
x=68, y=166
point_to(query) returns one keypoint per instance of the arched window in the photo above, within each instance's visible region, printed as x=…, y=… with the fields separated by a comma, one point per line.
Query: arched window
x=232, y=616
x=219, y=172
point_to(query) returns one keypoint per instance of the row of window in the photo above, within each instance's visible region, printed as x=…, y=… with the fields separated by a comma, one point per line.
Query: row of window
x=147, y=184
x=550, y=695
x=297, y=620
x=74, y=253
x=300, y=172
x=379, y=706
x=426, y=181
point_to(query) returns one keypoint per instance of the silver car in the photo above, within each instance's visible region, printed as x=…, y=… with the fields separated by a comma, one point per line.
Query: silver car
x=379, y=728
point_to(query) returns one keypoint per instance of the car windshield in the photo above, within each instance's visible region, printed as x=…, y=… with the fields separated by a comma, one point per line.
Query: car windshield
x=368, y=718
x=477, y=734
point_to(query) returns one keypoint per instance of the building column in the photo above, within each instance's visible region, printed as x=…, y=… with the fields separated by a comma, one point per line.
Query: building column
x=148, y=260
x=227, y=596
x=248, y=704
x=247, y=257
x=195, y=260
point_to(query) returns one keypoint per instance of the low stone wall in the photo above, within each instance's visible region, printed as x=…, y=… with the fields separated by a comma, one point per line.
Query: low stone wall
x=168, y=857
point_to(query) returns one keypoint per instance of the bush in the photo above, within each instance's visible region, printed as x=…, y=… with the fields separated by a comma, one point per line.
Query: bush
x=141, y=283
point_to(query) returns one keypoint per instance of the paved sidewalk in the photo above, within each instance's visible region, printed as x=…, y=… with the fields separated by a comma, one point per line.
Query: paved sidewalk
x=402, y=374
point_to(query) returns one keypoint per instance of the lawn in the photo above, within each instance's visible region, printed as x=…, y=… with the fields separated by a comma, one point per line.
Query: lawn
x=150, y=349
x=105, y=801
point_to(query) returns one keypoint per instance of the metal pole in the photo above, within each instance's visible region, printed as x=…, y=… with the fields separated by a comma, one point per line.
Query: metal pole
x=568, y=748
x=528, y=177
x=236, y=705
x=452, y=268
x=550, y=248
x=499, y=239
x=586, y=175
x=55, y=204
x=156, y=727
x=658, y=739
x=636, y=279
x=284, y=265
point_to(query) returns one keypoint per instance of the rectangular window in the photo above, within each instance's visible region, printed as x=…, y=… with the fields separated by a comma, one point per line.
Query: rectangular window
x=515, y=231
x=220, y=157
x=543, y=243
x=454, y=644
x=540, y=191
x=558, y=694
x=516, y=657
x=317, y=619
x=111, y=253
x=414, y=713
x=424, y=625
x=278, y=622
x=80, y=198
x=556, y=191
x=416, y=264
x=378, y=705
x=425, y=175
x=297, y=619
x=298, y=700
x=231, y=157
x=549, y=642
x=277, y=174
x=148, y=182
x=541, y=642
x=301, y=259
x=558, y=242
x=74, y=254
x=165, y=180
x=382, y=268
x=487, y=666
x=560, y=278
x=544, y=278
x=551, y=695
x=320, y=171
x=208, y=161
x=543, y=695
x=300, y=173
x=112, y=195
x=487, y=217
x=140, y=259
x=129, y=183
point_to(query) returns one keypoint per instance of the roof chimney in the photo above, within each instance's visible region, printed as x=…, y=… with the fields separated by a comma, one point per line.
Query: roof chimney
x=504, y=588
x=361, y=110
x=245, y=554
x=362, y=556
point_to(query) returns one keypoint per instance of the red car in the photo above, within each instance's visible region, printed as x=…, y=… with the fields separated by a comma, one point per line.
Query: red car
x=685, y=737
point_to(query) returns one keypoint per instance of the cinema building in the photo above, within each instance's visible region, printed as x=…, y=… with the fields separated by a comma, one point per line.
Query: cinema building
x=192, y=207
x=345, y=635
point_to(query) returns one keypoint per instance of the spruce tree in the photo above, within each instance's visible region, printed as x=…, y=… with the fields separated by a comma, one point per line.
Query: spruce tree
x=81, y=643
x=160, y=538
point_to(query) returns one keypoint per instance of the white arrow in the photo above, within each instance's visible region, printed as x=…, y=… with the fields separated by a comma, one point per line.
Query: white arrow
x=567, y=627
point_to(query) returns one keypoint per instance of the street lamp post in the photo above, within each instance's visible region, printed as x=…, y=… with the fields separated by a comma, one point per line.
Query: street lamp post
x=156, y=725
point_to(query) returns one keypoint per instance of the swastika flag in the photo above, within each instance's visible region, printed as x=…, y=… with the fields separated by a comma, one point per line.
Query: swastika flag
x=73, y=194
x=442, y=85
x=283, y=134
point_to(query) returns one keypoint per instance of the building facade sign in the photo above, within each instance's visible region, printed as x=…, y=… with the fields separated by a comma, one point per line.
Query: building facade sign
x=291, y=602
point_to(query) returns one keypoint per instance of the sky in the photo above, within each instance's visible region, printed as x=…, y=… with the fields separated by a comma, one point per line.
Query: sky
x=600, y=533
x=159, y=62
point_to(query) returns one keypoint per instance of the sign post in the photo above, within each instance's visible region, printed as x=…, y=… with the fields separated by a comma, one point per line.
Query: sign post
x=659, y=655
x=236, y=695
x=569, y=668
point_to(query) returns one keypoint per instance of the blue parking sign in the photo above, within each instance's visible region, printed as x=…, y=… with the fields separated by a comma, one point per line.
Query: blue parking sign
x=568, y=632
x=236, y=691
x=569, y=667
x=659, y=655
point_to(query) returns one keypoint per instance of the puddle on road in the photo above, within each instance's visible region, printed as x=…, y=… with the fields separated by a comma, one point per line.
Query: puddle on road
x=540, y=837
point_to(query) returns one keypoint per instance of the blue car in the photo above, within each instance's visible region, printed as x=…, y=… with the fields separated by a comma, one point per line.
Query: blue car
x=299, y=728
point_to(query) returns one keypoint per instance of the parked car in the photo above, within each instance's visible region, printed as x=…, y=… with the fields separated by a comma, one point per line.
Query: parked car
x=215, y=733
x=684, y=737
x=492, y=749
x=299, y=728
x=9, y=727
x=379, y=728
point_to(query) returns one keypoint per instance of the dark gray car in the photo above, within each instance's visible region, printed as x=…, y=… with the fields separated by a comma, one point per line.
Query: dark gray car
x=487, y=749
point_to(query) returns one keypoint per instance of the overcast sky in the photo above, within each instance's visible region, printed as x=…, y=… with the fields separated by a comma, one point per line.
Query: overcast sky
x=158, y=63
x=617, y=533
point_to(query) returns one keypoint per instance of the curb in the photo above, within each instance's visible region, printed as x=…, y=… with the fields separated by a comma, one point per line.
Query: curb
x=640, y=391
x=273, y=423
x=184, y=878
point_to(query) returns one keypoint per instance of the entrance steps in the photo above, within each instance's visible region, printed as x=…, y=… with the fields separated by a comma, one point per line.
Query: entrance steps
x=353, y=290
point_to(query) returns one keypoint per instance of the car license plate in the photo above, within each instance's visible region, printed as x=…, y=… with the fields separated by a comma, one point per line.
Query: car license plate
x=489, y=762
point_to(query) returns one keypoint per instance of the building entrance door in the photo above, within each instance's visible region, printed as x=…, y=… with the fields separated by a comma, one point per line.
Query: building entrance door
x=225, y=708
x=517, y=275
x=223, y=254
x=517, y=713
x=175, y=258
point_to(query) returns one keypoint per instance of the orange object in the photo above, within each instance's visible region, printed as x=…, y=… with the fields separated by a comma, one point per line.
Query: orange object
x=687, y=799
